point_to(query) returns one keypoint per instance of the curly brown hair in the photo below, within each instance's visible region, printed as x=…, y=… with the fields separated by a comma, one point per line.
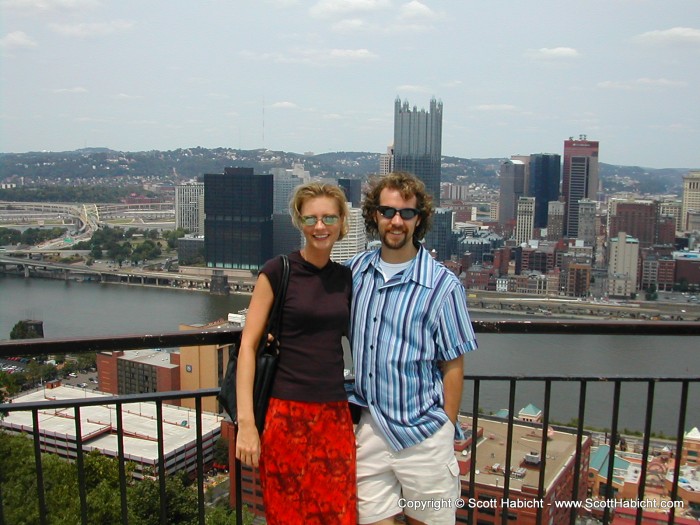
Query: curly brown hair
x=409, y=186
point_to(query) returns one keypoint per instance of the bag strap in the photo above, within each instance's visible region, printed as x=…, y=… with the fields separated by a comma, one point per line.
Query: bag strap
x=275, y=320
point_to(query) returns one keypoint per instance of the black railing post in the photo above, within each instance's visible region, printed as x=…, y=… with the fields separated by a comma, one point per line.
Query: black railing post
x=609, y=494
x=645, y=450
x=80, y=464
x=161, y=465
x=39, y=468
x=679, y=449
x=505, y=511
x=576, y=490
x=200, y=461
x=122, y=467
x=475, y=439
x=543, y=448
x=239, y=492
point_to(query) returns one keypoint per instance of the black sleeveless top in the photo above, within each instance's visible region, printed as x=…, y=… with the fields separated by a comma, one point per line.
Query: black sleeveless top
x=315, y=315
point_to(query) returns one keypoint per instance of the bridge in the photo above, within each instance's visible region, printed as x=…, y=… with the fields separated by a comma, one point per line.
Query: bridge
x=31, y=267
x=87, y=218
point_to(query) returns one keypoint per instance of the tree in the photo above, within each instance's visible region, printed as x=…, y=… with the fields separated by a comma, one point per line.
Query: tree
x=23, y=330
x=651, y=294
x=144, y=502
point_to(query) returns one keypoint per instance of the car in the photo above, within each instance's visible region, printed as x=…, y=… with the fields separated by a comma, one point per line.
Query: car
x=82, y=385
x=72, y=374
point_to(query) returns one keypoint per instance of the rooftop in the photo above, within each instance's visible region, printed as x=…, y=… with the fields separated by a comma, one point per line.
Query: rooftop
x=98, y=424
x=527, y=439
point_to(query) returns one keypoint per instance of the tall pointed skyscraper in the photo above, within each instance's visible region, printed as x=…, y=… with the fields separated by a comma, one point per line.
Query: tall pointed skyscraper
x=579, y=179
x=418, y=143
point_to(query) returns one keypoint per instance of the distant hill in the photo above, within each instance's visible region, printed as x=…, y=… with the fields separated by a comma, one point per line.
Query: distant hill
x=105, y=166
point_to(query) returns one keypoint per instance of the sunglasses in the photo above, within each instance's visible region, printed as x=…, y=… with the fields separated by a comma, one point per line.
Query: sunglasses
x=328, y=220
x=405, y=213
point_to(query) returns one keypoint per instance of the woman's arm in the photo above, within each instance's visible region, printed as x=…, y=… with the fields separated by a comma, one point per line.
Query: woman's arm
x=247, y=439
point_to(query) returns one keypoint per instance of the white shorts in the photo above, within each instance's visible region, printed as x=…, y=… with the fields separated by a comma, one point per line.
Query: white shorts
x=421, y=481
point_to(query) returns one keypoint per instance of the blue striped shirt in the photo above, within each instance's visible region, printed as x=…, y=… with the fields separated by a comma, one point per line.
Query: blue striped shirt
x=400, y=331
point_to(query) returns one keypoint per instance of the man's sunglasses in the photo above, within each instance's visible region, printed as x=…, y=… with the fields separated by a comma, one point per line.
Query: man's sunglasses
x=328, y=220
x=405, y=213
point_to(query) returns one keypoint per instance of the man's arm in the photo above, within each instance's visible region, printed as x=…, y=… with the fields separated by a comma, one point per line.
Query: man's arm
x=452, y=379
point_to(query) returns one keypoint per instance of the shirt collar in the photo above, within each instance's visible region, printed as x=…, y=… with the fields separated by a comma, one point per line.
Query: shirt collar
x=419, y=271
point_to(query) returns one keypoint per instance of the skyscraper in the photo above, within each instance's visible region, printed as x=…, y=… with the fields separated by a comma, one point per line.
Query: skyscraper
x=623, y=260
x=386, y=161
x=525, y=219
x=418, y=143
x=512, y=186
x=187, y=203
x=579, y=179
x=587, y=222
x=353, y=190
x=238, y=224
x=636, y=217
x=356, y=239
x=555, y=220
x=543, y=184
x=691, y=197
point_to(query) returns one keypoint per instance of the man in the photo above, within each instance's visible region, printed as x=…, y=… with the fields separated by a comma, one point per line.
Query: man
x=410, y=329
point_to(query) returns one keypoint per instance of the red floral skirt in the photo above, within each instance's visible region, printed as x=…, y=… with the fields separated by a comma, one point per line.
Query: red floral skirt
x=307, y=465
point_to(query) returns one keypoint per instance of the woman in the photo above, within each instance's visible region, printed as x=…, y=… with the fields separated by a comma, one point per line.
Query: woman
x=307, y=454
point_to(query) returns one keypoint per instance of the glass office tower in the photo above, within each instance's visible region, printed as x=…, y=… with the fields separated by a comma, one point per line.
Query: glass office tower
x=238, y=219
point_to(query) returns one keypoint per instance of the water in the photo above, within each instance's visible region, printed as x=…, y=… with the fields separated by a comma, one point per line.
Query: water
x=81, y=309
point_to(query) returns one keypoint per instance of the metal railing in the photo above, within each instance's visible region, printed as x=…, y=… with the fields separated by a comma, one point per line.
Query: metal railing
x=221, y=337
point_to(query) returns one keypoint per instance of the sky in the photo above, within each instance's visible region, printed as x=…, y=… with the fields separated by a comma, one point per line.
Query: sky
x=514, y=76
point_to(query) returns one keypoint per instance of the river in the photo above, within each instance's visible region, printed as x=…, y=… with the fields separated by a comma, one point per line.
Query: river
x=81, y=309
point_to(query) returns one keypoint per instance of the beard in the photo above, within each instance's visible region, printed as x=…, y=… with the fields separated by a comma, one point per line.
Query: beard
x=395, y=242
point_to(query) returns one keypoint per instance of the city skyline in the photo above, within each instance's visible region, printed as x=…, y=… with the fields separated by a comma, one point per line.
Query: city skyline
x=321, y=76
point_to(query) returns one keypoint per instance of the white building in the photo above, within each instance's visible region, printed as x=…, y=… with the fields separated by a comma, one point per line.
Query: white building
x=189, y=204
x=98, y=428
x=525, y=219
x=691, y=197
x=355, y=241
x=623, y=261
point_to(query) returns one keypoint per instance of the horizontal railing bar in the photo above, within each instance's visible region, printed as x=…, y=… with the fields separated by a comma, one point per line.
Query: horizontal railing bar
x=19, y=347
x=109, y=400
x=578, y=378
x=223, y=336
x=587, y=327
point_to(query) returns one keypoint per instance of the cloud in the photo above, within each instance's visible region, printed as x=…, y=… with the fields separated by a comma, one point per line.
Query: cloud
x=96, y=29
x=313, y=57
x=349, y=25
x=39, y=6
x=641, y=83
x=17, y=40
x=673, y=36
x=508, y=108
x=124, y=96
x=341, y=8
x=283, y=105
x=413, y=88
x=416, y=10
x=552, y=53
x=77, y=89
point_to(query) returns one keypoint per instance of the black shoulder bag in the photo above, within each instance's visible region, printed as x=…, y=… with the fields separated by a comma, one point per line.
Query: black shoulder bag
x=266, y=360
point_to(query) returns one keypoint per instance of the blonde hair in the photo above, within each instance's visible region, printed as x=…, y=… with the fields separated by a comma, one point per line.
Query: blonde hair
x=312, y=190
